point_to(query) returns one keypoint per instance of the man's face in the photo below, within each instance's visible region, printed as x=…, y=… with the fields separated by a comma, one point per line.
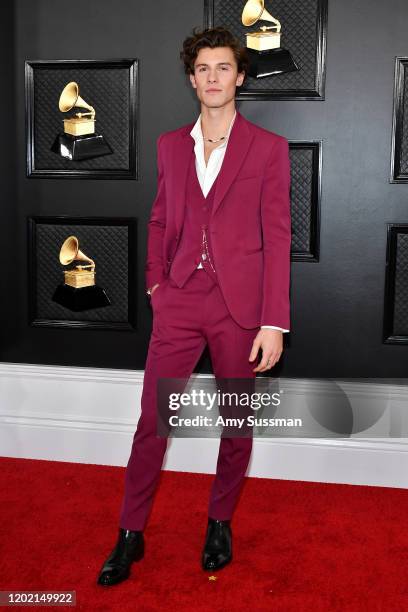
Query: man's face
x=216, y=76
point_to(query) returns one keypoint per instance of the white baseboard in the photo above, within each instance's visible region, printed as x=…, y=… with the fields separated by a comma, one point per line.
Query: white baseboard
x=89, y=415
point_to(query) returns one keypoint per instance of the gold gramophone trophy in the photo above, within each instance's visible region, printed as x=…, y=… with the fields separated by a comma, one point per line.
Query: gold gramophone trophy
x=79, y=291
x=79, y=140
x=266, y=56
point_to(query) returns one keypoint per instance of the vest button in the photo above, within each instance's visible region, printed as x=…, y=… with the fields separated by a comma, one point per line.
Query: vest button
x=205, y=208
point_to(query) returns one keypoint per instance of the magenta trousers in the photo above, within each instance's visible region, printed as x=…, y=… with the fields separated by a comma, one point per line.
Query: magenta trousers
x=184, y=321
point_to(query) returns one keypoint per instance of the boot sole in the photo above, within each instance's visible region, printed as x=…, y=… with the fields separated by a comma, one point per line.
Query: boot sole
x=219, y=567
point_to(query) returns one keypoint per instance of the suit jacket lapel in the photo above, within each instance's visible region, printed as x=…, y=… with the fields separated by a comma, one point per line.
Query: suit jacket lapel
x=237, y=147
x=182, y=160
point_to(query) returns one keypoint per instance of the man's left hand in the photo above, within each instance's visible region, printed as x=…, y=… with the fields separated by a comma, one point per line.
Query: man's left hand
x=271, y=343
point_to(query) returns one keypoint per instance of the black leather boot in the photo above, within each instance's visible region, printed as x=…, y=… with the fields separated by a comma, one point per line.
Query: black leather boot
x=218, y=545
x=129, y=548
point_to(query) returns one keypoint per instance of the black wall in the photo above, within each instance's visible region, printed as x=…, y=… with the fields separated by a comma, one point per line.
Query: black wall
x=12, y=258
x=337, y=304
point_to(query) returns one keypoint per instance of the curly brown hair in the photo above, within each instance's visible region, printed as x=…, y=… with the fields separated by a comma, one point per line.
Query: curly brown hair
x=212, y=37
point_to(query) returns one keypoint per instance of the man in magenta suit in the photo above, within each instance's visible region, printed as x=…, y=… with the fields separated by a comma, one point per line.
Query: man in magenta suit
x=217, y=271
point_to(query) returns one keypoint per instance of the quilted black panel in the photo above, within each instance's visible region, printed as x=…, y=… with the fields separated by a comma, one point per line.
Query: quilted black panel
x=106, y=89
x=399, y=151
x=403, y=161
x=106, y=245
x=298, y=34
x=401, y=287
x=301, y=161
x=305, y=193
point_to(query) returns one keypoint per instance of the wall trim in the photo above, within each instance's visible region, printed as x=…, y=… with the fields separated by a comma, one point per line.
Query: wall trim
x=91, y=418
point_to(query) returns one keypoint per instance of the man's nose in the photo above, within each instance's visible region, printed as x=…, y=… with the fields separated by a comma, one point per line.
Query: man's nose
x=212, y=76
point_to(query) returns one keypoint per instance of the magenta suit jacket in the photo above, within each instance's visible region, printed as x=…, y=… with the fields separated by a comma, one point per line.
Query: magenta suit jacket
x=250, y=220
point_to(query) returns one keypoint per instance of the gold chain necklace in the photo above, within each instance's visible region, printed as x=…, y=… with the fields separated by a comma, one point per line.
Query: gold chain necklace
x=213, y=140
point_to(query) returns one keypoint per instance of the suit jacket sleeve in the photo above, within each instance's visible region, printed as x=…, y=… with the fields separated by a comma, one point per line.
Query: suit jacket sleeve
x=276, y=230
x=154, y=269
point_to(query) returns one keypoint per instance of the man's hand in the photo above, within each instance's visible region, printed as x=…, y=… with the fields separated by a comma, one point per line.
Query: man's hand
x=153, y=288
x=271, y=343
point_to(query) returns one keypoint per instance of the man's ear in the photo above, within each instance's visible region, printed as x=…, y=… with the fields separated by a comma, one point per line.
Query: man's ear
x=193, y=81
x=240, y=78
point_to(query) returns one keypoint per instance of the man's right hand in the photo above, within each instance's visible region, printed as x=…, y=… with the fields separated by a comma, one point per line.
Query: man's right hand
x=153, y=288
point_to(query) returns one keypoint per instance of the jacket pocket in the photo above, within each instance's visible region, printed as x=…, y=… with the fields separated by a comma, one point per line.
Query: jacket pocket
x=247, y=178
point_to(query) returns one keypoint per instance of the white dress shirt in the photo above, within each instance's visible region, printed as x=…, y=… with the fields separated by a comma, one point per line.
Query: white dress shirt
x=207, y=173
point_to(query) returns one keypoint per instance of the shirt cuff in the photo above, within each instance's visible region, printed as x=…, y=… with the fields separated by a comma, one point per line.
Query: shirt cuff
x=274, y=327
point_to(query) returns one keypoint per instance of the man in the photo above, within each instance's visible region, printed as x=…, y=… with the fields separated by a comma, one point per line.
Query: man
x=217, y=270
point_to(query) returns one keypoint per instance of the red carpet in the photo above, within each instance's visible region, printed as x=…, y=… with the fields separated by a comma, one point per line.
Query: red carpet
x=297, y=546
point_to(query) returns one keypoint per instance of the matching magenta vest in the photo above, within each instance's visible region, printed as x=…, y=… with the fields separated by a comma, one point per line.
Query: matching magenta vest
x=196, y=218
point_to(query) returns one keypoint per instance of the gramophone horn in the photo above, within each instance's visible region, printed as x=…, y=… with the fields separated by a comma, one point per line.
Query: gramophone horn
x=70, y=252
x=70, y=97
x=254, y=10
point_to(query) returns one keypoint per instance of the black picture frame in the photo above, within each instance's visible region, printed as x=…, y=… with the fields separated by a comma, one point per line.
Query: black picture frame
x=399, y=133
x=306, y=189
x=116, y=82
x=309, y=85
x=116, y=271
x=395, y=323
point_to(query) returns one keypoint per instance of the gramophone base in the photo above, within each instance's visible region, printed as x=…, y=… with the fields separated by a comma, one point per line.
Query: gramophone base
x=267, y=63
x=77, y=148
x=80, y=299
